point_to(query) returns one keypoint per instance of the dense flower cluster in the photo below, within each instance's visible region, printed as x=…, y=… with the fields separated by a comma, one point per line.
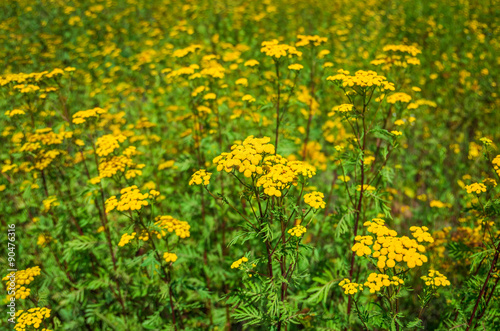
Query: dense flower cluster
x=81, y=116
x=31, y=317
x=245, y=157
x=398, y=97
x=375, y=281
x=106, y=144
x=126, y=238
x=236, y=264
x=350, y=288
x=21, y=278
x=170, y=224
x=435, y=278
x=390, y=249
x=344, y=108
x=496, y=164
x=297, y=230
x=310, y=40
x=200, y=177
x=361, y=79
x=254, y=158
x=476, y=188
x=315, y=200
x=131, y=198
x=170, y=257
x=397, y=55
x=276, y=50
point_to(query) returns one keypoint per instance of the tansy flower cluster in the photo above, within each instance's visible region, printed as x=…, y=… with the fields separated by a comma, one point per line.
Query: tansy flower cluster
x=398, y=97
x=361, y=79
x=236, y=264
x=350, y=288
x=200, y=177
x=347, y=107
x=131, y=198
x=476, y=188
x=390, y=249
x=245, y=157
x=81, y=116
x=399, y=55
x=126, y=238
x=496, y=164
x=276, y=50
x=297, y=230
x=32, y=317
x=254, y=158
x=106, y=144
x=375, y=281
x=170, y=224
x=315, y=200
x=111, y=166
x=310, y=40
x=170, y=257
x=435, y=278
x=21, y=279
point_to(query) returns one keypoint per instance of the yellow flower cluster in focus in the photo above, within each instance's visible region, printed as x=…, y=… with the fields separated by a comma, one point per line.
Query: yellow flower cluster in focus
x=435, y=278
x=315, y=200
x=236, y=264
x=21, y=279
x=376, y=281
x=362, y=79
x=131, y=198
x=32, y=317
x=170, y=224
x=106, y=144
x=276, y=50
x=350, y=288
x=389, y=249
x=126, y=238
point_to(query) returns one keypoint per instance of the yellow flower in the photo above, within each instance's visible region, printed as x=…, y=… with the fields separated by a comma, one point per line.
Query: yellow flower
x=200, y=177
x=106, y=144
x=210, y=96
x=241, y=81
x=476, y=188
x=251, y=63
x=32, y=317
x=297, y=231
x=276, y=50
x=236, y=264
x=315, y=200
x=435, y=278
x=126, y=238
x=296, y=67
x=350, y=288
x=248, y=97
x=170, y=257
x=131, y=198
